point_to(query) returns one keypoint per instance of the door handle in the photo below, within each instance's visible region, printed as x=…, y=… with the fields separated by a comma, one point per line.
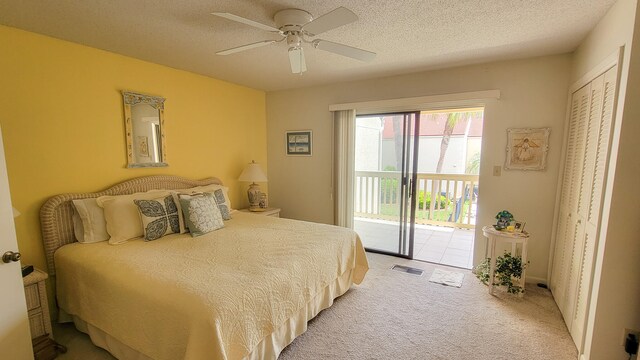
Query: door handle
x=10, y=256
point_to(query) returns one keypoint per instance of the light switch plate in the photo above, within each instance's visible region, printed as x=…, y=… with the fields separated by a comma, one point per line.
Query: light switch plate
x=497, y=170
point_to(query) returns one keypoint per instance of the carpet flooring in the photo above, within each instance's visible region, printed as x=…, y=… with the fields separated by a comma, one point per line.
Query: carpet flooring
x=394, y=315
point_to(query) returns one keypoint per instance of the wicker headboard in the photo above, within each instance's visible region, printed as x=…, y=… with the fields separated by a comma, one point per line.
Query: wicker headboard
x=56, y=213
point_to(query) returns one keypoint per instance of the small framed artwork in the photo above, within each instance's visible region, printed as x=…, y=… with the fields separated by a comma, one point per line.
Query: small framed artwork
x=518, y=226
x=299, y=142
x=527, y=148
x=143, y=146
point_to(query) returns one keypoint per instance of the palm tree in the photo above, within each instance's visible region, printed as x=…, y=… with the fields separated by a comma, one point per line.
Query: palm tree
x=473, y=165
x=453, y=118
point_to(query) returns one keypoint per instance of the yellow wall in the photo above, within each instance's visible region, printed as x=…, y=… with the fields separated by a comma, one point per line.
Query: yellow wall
x=62, y=119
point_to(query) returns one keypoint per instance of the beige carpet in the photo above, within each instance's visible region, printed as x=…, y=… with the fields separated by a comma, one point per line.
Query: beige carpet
x=394, y=315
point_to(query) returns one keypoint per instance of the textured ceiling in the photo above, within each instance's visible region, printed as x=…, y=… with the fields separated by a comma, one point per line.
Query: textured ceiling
x=407, y=35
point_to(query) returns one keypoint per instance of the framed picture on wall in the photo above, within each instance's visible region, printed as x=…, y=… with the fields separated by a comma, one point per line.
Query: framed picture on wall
x=299, y=142
x=143, y=146
x=527, y=148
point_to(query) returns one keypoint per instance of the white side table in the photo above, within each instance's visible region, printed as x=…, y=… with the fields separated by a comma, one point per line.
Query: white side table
x=274, y=212
x=514, y=238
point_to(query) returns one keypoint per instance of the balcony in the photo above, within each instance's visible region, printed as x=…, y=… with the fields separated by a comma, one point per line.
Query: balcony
x=445, y=214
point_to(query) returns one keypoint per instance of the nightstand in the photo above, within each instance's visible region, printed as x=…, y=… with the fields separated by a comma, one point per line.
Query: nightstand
x=274, y=212
x=36, y=295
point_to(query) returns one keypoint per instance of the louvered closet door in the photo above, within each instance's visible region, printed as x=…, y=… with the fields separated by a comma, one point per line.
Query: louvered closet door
x=577, y=197
x=581, y=200
x=565, y=230
x=592, y=189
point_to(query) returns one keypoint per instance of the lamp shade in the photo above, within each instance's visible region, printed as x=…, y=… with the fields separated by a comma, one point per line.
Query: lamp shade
x=253, y=173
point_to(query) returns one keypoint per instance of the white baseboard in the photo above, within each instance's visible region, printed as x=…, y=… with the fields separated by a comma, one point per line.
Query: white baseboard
x=536, y=280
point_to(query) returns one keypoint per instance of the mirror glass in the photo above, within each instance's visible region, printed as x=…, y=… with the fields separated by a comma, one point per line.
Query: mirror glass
x=144, y=127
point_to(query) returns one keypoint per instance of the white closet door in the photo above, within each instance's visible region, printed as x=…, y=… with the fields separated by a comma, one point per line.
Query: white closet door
x=564, y=233
x=582, y=187
x=592, y=187
x=580, y=194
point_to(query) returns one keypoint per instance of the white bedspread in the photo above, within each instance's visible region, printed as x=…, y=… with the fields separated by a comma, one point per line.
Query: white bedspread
x=211, y=297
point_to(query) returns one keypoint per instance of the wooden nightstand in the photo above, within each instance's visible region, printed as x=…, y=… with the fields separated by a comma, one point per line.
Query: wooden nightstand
x=275, y=212
x=36, y=294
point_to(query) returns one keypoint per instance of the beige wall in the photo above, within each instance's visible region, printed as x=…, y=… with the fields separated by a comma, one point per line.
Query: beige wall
x=533, y=94
x=616, y=290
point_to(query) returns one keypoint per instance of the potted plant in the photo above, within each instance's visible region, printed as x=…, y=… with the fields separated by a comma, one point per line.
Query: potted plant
x=504, y=218
x=508, y=272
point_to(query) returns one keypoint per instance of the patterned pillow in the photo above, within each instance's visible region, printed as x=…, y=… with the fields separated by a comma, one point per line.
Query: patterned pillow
x=201, y=213
x=159, y=217
x=223, y=203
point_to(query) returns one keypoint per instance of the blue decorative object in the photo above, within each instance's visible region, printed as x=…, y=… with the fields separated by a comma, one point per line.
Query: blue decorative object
x=504, y=218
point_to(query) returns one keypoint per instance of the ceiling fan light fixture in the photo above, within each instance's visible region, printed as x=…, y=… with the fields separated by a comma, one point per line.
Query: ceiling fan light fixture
x=296, y=26
x=294, y=40
x=296, y=58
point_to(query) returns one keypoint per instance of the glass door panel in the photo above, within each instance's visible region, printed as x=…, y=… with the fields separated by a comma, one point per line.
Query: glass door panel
x=385, y=170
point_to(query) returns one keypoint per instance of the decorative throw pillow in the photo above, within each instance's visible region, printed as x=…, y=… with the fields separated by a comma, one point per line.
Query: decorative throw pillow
x=221, y=194
x=201, y=213
x=122, y=215
x=159, y=217
x=223, y=204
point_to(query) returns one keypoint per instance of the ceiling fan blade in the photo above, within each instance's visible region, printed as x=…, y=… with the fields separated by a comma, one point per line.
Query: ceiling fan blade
x=245, y=21
x=344, y=50
x=245, y=47
x=331, y=20
x=296, y=58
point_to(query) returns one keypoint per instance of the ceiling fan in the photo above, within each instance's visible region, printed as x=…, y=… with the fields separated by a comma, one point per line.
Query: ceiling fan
x=297, y=27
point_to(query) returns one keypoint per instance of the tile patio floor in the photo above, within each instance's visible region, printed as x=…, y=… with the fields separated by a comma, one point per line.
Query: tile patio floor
x=437, y=244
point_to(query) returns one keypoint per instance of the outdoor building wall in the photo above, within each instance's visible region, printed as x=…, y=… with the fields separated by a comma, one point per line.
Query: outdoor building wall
x=368, y=133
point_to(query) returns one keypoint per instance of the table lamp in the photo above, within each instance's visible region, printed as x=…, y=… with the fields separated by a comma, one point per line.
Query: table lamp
x=253, y=173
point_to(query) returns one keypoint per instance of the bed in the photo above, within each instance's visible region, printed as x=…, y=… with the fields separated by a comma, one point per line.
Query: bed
x=242, y=292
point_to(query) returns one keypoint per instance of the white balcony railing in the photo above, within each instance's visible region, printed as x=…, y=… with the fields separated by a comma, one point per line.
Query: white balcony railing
x=443, y=199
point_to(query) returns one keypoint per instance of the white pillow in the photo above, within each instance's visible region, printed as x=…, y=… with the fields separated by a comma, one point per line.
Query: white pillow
x=181, y=221
x=89, y=224
x=121, y=213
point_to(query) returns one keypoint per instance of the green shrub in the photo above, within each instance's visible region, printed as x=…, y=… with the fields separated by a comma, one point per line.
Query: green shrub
x=389, y=190
x=508, y=269
x=424, y=201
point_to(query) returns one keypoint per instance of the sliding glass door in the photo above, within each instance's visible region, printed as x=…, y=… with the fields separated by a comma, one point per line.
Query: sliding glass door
x=386, y=148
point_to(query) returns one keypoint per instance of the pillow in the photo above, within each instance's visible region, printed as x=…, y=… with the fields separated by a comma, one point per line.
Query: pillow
x=222, y=200
x=121, y=213
x=221, y=194
x=201, y=213
x=176, y=200
x=159, y=217
x=89, y=224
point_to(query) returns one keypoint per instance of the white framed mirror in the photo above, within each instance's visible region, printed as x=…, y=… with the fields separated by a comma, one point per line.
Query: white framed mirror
x=144, y=128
